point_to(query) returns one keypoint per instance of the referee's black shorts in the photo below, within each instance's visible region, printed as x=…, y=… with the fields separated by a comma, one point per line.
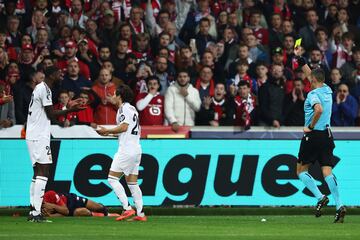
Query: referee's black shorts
x=317, y=146
x=74, y=202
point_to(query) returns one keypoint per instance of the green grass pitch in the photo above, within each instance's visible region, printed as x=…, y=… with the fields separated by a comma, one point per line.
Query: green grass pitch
x=184, y=227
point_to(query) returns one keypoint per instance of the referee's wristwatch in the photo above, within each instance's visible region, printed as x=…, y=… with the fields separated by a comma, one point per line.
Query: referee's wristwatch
x=310, y=127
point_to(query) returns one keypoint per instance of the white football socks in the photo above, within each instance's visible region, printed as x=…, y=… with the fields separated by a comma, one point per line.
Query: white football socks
x=137, y=196
x=119, y=191
x=32, y=189
x=39, y=190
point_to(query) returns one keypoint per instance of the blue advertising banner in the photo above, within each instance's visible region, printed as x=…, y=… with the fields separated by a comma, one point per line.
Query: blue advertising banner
x=199, y=172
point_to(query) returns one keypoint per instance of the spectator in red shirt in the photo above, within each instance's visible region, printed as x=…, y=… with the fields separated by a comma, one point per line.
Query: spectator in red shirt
x=151, y=104
x=70, y=54
x=68, y=119
x=205, y=83
x=245, y=106
x=105, y=112
x=262, y=34
x=90, y=100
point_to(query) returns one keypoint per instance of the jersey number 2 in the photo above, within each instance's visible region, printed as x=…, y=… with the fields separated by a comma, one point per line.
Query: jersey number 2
x=135, y=130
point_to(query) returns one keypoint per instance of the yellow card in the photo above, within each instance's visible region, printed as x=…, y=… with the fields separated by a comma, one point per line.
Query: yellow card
x=298, y=43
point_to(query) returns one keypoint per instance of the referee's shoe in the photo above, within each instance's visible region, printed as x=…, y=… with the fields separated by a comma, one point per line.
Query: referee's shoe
x=322, y=203
x=340, y=215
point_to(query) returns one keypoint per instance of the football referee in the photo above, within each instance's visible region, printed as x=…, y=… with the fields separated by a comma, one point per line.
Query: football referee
x=317, y=143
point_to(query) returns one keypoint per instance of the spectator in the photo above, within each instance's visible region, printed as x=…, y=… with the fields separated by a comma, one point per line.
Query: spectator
x=243, y=55
x=42, y=43
x=205, y=83
x=217, y=110
x=288, y=50
x=182, y=100
x=323, y=44
x=245, y=103
x=342, y=52
x=37, y=22
x=105, y=112
x=308, y=32
x=262, y=34
x=287, y=28
x=276, y=35
x=143, y=71
x=118, y=57
x=86, y=56
x=135, y=21
x=13, y=31
x=64, y=36
x=218, y=70
x=91, y=101
x=73, y=81
x=348, y=68
x=229, y=39
x=186, y=62
x=203, y=37
x=294, y=105
x=68, y=119
x=193, y=20
x=156, y=27
x=107, y=64
x=7, y=111
x=278, y=58
x=77, y=13
x=343, y=19
x=26, y=61
x=317, y=61
x=271, y=98
x=261, y=76
x=161, y=71
x=106, y=32
x=256, y=51
x=232, y=84
x=10, y=50
x=142, y=49
x=335, y=78
x=70, y=55
x=345, y=107
x=92, y=31
x=151, y=104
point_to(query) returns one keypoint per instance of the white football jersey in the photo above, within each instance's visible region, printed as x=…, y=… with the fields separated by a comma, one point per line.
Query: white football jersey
x=129, y=141
x=38, y=124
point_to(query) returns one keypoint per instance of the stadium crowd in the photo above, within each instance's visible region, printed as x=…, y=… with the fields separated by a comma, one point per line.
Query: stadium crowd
x=189, y=62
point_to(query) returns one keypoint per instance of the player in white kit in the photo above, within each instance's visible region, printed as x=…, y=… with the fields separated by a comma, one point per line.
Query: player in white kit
x=38, y=139
x=127, y=159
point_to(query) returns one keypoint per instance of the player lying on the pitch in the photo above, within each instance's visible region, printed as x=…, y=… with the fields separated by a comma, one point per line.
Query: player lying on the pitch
x=69, y=204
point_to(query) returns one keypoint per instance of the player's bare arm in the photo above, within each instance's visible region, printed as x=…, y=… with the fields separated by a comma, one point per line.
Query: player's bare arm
x=52, y=114
x=51, y=208
x=116, y=130
x=317, y=114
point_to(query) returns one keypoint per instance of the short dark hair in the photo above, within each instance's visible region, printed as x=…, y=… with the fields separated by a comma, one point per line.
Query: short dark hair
x=205, y=19
x=182, y=71
x=153, y=77
x=125, y=92
x=244, y=83
x=318, y=74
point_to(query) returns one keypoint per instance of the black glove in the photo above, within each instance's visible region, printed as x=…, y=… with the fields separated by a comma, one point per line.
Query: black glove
x=300, y=61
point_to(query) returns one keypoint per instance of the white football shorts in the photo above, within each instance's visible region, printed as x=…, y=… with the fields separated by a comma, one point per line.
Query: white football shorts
x=128, y=163
x=40, y=151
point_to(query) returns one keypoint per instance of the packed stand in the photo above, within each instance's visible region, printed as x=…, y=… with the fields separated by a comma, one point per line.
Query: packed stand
x=189, y=62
